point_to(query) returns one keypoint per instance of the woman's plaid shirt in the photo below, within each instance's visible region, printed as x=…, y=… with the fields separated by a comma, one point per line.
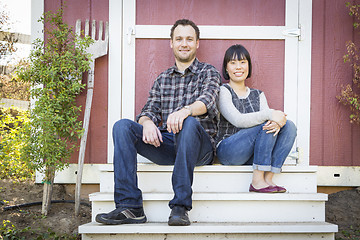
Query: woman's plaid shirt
x=172, y=90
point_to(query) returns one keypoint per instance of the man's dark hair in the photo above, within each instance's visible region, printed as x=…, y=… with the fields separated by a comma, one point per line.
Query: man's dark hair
x=185, y=22
x=235, y=52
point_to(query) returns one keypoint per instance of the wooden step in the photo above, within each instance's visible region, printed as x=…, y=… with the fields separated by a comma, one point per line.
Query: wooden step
x=229, y=207
x=214, y=178
x=211, y=231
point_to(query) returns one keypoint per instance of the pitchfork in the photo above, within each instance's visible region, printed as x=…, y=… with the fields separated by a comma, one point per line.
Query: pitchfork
x=98, y=49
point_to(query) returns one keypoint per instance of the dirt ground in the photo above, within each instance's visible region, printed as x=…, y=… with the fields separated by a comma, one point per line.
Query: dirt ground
x=342, y=208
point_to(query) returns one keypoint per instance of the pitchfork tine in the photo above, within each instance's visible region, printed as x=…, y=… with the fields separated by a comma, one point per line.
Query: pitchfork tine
x=87, y=27
x=93, y=29
x=106, y=32
x=100, y=30
x=78, y=27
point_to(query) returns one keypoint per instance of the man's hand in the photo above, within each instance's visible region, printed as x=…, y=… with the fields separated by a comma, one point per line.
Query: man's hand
x=151, y=134
x=175, y=120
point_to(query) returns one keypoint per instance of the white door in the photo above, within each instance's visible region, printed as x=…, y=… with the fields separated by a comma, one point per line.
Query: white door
x=296, y=34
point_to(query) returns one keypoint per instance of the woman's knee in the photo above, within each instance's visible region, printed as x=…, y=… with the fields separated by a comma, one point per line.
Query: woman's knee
x=290, y=128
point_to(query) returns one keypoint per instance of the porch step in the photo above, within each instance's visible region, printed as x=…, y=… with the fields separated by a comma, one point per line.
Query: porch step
x=229, y=207
x=211, y=231
x=214, y=178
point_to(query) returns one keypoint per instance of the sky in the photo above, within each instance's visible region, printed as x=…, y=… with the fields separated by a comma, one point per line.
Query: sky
x=19, y=14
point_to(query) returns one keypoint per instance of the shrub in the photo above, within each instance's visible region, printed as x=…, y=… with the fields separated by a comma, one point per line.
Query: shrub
x=11, y=164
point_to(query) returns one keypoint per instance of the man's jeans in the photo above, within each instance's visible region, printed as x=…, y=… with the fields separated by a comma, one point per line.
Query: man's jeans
x=189, y=148
x=253, y=145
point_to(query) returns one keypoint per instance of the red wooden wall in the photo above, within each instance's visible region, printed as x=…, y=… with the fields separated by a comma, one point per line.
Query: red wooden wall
x=334, y=141
x=96, y=149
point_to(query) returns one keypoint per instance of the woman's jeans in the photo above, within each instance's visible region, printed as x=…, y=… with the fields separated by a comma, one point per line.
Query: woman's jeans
x=189, y=148
x=253, y=145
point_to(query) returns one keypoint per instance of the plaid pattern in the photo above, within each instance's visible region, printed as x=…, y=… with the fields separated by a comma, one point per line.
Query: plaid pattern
x=172, y=90
x=244, y=105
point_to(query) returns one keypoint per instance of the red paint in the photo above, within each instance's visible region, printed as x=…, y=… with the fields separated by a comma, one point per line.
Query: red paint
x=334, y=141
x=96, y=150
x=267, y=60
x=212, y=12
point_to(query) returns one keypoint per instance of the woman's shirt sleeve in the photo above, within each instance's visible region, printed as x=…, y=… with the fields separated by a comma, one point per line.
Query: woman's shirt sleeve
x=238, y=119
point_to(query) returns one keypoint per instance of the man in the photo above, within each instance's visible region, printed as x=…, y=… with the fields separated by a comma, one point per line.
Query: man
x=175, y=127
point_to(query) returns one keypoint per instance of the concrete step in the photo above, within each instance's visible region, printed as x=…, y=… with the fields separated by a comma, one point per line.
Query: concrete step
x=229, y=207
x=214, y=178
x=211, y=231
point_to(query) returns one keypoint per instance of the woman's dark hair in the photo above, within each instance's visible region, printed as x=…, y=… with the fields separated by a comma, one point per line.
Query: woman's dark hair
x=235, y=52
x=185, y=22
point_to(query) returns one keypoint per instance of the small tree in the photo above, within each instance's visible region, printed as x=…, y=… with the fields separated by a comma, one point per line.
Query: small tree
x=55, y=74
x=348, y=95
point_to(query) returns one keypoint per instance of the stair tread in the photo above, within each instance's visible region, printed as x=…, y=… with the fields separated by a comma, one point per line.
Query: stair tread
x=247, y=196
x=151, y=167
x=264, y=227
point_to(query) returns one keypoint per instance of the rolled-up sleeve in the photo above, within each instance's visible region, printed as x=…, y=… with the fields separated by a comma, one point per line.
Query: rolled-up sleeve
x=210, y=90
x=152, y=108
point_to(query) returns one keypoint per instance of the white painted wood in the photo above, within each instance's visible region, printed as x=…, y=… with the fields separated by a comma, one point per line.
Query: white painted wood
x=215, y=32
x=231, y=207
x=263, y=227
x=115, y=71
x=304, y=82
x=222, y=182
x=128, y=73
x=339, y=176
x=37, y=28
x=212, y=236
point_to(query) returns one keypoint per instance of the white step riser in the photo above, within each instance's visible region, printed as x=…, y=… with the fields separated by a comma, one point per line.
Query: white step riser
x=214, y=182
x=211, y=231
x=312, y=236
x=232, y=211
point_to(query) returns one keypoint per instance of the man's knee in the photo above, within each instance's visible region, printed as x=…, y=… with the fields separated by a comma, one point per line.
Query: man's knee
x=122, y=126
x=190, y=123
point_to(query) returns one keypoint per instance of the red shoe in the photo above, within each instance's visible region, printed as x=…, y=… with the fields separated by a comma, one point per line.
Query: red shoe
x=280, y=189
x=268, y=189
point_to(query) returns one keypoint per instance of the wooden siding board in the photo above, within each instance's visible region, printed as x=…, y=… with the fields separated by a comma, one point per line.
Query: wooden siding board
x=267, y=59
x=332, y=136
x=212, y=12
x=96, y=149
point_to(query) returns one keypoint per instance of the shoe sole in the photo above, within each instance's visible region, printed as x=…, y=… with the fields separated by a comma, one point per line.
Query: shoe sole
x=177, y=221
x=138, y=220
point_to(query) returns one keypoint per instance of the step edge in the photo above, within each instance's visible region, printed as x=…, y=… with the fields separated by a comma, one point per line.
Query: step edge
x=151, y=167
x=108, y=196
x=250, y=228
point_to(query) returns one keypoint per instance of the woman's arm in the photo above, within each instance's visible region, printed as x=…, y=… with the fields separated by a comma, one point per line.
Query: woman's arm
x=238, y=119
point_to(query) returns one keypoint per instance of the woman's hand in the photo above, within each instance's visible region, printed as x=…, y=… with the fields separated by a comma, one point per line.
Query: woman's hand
x=272, y=127
x=279, y=117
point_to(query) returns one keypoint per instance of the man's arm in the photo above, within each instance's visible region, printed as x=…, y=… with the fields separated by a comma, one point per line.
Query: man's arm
x=175, y=120
x=205, y=103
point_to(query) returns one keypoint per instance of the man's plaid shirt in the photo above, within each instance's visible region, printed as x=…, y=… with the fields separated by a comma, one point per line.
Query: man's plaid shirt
x=172, y=90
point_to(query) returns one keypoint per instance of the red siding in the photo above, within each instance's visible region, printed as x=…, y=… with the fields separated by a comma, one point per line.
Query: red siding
x=267, y=60
x=334, y=141
x=96, y=149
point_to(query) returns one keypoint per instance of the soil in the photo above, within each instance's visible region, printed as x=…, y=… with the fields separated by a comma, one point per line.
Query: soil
x=342, y=208
x=60, y=220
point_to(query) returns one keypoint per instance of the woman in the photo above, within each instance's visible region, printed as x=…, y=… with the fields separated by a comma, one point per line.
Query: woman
x=250, y=132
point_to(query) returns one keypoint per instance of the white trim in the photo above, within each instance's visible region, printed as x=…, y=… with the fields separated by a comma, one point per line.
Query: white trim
x=338, y=176
x=326, y=176
x=304, y=81
x=115, y=70
x=215, y=32
x=128, y=76
x=37, y=28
